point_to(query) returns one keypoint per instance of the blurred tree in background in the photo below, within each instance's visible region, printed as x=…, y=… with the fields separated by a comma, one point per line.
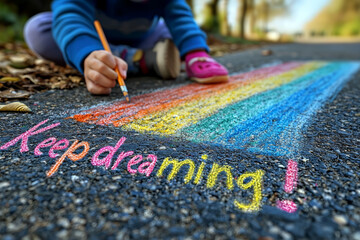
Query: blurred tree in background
x=13, y=16
x=338, y=18
x=252, y=17
x=233, y=19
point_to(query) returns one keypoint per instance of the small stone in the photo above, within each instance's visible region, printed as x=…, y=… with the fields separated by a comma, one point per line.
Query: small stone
x=301, y=191
x=4, y=184
x=129, y=210
x=162, y=148
x=356, y=236
x=113, y=187
x=79, y=235
x=63, y=222
x=12, y=227
x=211, y=230
x=77, y=220
x=35, y=183
x=74, y=178
x=62, y=234
x=340, y=219
x=148, y=213
x=32, y=219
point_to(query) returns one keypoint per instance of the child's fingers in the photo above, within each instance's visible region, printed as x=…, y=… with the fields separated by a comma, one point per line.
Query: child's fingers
x=102, y=68
x=100, y=79
x=106, y=57
x=122, y=65
x=96, y=89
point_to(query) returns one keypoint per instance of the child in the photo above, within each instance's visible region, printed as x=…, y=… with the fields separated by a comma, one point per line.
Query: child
x=146, y=36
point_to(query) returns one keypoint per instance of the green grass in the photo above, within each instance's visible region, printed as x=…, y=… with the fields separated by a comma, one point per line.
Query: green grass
x=11, y=24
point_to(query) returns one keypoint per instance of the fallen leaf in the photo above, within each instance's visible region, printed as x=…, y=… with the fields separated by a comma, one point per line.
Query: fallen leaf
x=266, y=52
x=14, y=107
x=20, y=61
x=9, y=80
x=13, y=94
x=30, y=77
x=15, y=71
x=75, y=79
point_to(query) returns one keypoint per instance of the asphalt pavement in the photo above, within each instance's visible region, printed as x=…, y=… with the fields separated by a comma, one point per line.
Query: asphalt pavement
x=77, y=189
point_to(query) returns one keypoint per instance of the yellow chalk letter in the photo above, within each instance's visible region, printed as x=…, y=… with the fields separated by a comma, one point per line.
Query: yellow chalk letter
x=255, y=182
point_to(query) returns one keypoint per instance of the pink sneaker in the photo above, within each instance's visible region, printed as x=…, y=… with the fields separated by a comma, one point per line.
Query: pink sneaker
x=202, y=68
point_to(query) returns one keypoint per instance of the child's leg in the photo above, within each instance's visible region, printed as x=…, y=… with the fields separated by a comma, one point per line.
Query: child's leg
x=156, y=54
x=161, y=32
x=161, y=54
x=38, y=36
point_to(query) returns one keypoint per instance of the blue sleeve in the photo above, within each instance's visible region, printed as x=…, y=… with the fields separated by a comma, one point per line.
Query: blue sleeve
x=185, y=32
x=73, y=30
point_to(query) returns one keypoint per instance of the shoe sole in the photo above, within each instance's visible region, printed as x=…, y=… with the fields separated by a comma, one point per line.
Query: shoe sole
x=167, y=60
x=216, y=79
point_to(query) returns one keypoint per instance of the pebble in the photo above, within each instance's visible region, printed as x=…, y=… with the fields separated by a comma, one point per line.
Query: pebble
x=63, y=234
x=12, y=227
x=340, y=219
x=63, y=222
x=356, y=236
x=77, y=220
x=4, y=184
x=162, y=148
x=74, y=178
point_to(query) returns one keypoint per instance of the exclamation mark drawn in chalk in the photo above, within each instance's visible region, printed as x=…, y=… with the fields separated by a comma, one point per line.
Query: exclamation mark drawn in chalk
x=290, y=184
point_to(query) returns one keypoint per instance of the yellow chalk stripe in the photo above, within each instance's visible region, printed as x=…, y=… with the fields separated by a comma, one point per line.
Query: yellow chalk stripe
x=170, y=121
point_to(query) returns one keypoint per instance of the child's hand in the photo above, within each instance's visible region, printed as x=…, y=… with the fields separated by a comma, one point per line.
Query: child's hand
x=99, y=72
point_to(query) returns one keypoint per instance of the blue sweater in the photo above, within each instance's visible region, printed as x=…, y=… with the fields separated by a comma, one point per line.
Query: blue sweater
x=124, y=21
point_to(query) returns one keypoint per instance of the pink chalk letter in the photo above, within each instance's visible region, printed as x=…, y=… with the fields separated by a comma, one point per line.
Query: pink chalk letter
x=287, y=206
x=291, y=176
x=24, y=137
x=135, y=160
x=46, y=143
x=106, y=160
x=290, y=183
x=120, y=158
x=60, y=145
x=150, y=165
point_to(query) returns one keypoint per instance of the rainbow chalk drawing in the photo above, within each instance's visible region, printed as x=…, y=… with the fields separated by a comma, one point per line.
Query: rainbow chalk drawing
x=263, y=111
x=290, y=184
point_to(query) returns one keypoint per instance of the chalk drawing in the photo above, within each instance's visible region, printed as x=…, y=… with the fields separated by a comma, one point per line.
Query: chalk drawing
x=263, y=111
x=146, y=168
x=290, y=184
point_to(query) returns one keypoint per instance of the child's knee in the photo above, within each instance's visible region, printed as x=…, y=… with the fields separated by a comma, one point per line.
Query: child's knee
x=38, y=37
x=37, y=25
